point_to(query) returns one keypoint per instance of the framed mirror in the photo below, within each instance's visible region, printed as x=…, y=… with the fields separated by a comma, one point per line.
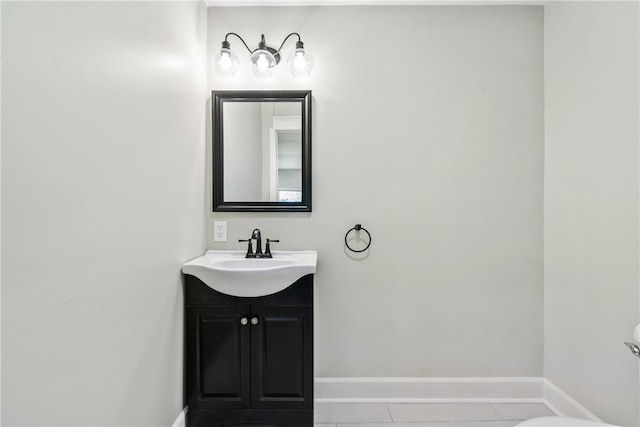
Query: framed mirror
x=261, y=151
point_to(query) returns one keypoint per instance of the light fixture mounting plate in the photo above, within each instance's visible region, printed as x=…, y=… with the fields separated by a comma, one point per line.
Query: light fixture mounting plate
x=274, y=52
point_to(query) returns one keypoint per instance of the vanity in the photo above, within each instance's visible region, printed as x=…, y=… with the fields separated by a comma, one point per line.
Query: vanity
x=249, y=315
x=249, y=339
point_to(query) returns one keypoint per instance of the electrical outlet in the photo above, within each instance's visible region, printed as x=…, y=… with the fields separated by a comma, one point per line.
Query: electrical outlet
x=219, y=231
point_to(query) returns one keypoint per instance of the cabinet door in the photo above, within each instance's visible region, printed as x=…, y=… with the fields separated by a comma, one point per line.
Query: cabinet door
x=282, y=357
x=218, y=357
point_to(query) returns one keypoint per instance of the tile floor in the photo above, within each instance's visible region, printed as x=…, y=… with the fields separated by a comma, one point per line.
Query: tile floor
x=426, y=414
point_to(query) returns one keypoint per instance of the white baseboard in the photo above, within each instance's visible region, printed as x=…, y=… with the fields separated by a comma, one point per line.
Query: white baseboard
x=425, y=390
x=563, y=404
x=441, y=390
x=181, y=421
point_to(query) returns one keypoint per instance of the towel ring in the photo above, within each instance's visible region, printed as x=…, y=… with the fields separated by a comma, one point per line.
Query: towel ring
x=357, y=227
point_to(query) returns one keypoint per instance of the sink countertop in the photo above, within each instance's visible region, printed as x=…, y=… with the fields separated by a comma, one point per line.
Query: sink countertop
x=229, y=272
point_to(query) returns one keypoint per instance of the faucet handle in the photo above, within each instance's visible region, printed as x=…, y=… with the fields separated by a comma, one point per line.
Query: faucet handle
x=267, y=249
x=250, y=253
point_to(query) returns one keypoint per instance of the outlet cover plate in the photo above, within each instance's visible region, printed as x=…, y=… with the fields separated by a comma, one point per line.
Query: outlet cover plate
x=219, y=231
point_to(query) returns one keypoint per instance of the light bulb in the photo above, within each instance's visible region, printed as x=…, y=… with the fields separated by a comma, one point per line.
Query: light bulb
x=226, y=62
x=263, y=62
x=300, y=62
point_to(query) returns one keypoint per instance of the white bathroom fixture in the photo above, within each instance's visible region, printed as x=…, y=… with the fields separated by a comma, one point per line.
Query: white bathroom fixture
x=635, y=349
x=231, y=273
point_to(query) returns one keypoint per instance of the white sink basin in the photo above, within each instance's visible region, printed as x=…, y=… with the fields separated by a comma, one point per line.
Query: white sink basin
x=231, y=273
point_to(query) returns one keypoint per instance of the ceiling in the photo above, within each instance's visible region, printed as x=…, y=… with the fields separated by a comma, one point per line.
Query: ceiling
x=370, y=2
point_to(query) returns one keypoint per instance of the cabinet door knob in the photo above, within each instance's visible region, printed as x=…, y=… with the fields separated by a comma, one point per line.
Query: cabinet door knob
x=254, y=320
x=244, y=321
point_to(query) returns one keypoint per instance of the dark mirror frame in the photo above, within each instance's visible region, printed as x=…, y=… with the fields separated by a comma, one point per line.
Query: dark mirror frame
x=218, y=98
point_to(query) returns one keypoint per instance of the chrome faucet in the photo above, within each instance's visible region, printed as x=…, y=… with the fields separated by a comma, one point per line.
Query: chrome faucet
x=258, y=253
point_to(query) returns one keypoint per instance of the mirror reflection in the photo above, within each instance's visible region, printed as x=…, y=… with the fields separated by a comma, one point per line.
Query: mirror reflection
x=262, y=151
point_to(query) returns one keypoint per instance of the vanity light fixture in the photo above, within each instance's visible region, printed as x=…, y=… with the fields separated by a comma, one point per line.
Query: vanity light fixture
x=263, y=59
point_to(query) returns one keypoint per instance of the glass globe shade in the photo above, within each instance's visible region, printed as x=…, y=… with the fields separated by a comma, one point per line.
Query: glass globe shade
x=226, y=62
x=263, y=63
x=300, y=63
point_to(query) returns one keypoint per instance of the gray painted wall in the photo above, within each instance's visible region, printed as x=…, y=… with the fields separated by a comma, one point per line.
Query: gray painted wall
x=103, y=170
x=454, y=204
x=428, y=130
x=591, y=204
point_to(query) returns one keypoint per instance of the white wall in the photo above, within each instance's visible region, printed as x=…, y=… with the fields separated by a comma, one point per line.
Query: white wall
x=427, y=130
x=591, y=204
x=0, y=217
x=103, y=170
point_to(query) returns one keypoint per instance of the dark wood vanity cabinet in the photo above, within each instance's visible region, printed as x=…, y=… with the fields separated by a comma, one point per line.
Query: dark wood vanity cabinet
x=249, y=360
